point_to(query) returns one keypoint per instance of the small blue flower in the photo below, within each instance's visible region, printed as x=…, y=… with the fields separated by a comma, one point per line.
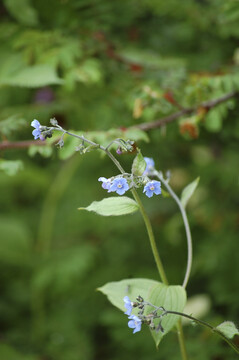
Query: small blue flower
x=134, y=323
x=37, y=132
x=149, y=165
x=105, y=183
x=119, y=185
x=128, y=305
x=152, y=187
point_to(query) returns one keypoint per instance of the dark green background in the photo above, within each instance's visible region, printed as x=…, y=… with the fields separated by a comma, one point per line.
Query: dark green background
x=95, y=58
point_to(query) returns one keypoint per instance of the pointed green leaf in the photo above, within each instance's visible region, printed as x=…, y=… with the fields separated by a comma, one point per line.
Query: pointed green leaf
x=188, y=191
x=113, y=206
x=139, y=165
x=228, y=328
x=170, y=297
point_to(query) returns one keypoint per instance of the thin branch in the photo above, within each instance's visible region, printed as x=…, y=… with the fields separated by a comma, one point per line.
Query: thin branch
x=20, y=144
x=170, y=118
x=144, y=126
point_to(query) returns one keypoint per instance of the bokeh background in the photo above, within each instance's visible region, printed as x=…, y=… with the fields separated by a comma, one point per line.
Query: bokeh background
x=98, y=65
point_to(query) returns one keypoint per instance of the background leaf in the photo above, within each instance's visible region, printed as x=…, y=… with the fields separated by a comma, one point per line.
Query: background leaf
x=22, y=11
x=33, y=77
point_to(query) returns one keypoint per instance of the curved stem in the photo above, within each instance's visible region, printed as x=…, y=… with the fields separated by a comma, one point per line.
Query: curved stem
x=203, y=323
x=186, y=225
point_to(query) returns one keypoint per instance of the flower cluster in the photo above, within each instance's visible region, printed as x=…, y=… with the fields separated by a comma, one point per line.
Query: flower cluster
x=135, y=322
x=120, y=185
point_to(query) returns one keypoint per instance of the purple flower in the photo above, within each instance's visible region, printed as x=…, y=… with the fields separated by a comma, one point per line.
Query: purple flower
x=37, y=132
x=149, y=165
x=119, y=185
x=134, y=323
x=105, y=183
x=152, y=187
x=128, y=305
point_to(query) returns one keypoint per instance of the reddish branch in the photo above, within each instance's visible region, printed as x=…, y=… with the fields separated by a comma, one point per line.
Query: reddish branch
x=207, y=105
x=19, y=144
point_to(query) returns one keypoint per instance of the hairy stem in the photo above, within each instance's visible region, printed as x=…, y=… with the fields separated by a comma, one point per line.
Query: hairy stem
x=203, y=323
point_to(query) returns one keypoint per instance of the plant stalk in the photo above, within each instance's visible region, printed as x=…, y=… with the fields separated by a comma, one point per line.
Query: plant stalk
x=186, y=225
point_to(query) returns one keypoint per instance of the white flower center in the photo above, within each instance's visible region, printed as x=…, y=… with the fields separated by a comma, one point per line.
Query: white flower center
x=152, y=187
x=119, y=186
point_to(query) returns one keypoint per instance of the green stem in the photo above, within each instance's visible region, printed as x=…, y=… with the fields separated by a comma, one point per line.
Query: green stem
x=181, y=340
x=203, y=323
x=151, y=238
x=147, y=224
x=186, y=225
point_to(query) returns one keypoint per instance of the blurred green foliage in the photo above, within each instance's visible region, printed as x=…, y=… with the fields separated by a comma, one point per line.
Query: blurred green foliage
x=101, y=67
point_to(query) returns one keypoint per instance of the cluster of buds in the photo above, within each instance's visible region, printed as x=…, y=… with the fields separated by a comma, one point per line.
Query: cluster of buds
x=135, y=321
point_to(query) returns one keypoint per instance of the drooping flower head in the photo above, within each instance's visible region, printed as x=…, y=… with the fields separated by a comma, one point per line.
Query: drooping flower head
x=152, y=187
x=37, y=132
x=128, y=305
x=119, y=185
x=134, y=323
x=105, y=183
x=149, y=165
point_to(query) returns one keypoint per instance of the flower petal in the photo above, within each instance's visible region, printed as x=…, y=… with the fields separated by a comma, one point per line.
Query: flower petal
x=35, y=123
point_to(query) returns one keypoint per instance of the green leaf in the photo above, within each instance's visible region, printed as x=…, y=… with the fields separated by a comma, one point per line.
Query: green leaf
x=136, y=134
x=170, y=297
x=115, y=291
x=11, y=167
x=89, y=72
x=113, y=206
x=228, y=328
x=43, y=150
x=32, y=77
x=139, y=165
x=188, y=191
x=23, y=11
x=214, y=120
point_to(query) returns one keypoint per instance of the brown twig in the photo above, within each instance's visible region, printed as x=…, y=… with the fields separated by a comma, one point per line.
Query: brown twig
x=20, y=144
x=207, y=105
